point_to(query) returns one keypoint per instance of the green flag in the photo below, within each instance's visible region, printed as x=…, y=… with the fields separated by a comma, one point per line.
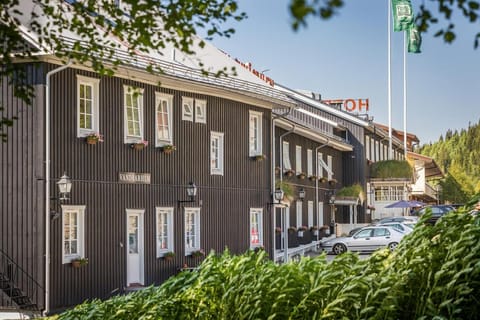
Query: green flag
x=414, y=39
x=402, y=14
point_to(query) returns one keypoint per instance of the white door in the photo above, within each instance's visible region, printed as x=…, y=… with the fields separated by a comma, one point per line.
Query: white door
x=135, y=247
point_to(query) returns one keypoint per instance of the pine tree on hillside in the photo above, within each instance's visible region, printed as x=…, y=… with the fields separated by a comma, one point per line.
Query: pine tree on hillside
x=458, y=155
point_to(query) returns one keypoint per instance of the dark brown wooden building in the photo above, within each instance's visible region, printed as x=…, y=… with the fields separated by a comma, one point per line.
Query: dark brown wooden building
x=318, y=150
x=133, y=145
x=128, y=206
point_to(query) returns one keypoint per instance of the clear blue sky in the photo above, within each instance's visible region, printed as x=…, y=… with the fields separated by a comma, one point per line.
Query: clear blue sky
x=346, y=57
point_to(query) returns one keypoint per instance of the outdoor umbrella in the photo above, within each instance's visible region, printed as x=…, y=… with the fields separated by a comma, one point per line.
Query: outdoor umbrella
x=405, y=204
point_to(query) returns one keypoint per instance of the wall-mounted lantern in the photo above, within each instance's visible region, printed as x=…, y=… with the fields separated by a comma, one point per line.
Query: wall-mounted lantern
x=301, y=194
x=64, y=187
x=278, y=195
x=191, y=193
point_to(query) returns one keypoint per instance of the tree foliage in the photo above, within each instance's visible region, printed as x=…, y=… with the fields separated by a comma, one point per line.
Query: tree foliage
x=149, y=25
x=458, y=155
x=142, y=26
x=426, y=17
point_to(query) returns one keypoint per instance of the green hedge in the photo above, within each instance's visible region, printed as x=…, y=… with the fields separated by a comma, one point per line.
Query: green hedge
x=355, y=190
x=391, y=169
x=433, y=273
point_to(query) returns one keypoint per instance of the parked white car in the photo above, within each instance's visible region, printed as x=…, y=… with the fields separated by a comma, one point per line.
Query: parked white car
x=367, y=239
x=402, y=227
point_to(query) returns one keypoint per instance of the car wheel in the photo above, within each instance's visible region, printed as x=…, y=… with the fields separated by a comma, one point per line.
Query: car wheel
x=392, y=246
x=339, y=248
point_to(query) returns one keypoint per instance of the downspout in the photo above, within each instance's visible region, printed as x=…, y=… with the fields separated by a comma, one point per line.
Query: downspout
x=272, y=148
x=316, y=181
x=287, y=218
x=47, y=184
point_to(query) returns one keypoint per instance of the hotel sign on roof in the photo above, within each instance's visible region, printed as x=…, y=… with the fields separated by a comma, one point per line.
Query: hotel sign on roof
x=349, y=105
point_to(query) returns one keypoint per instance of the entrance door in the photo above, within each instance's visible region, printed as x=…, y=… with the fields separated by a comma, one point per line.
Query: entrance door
x=135, y=259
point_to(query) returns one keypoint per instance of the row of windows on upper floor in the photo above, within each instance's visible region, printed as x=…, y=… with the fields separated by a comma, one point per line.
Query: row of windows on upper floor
x=193, y=110
x=377, y=151
x=321, y=166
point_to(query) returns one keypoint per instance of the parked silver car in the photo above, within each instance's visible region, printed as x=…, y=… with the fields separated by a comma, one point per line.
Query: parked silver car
x=401, y=219
x=402, y=227
x=365, y=239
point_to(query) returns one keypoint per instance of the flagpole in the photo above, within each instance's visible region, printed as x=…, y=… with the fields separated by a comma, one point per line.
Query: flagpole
x=405, y=93
x=389, y=83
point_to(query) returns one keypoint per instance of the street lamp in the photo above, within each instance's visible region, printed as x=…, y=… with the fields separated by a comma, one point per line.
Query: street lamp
x=191, y=193
x=301, y=194
x=64, y=187
x=278, y=195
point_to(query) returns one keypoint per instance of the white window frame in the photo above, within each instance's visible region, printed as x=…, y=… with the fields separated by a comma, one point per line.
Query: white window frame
x=186, y=114
x=94, y=84
x=309, y=162
x=389, y=193
x=255, y=134
x=320, y=163
x=372, y=149
x=217, y=158
x=367, y=147
x=195, y=212
x=310, y=213
x=320, y=214
x=298, y=159
x=159, y=98
x=287, y=165
x=200, y=111
x=168, y=213
x=299, y=213
x=129, y=90
x=258, y=241
x=330, y=167
x=80, y=211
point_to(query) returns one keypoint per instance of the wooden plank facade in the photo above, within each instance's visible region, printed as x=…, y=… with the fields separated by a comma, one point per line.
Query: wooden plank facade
x=224, y=200
x=22, y=194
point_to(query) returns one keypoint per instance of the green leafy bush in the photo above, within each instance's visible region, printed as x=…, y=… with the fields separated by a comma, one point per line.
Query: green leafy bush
x=433, y=273
x=287, y=188
x=355, y=190
x=391, y=169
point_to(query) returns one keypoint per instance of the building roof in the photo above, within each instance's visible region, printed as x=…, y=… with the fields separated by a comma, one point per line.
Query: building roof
x=399, y=134
x=432, y=170
x=200, y=67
